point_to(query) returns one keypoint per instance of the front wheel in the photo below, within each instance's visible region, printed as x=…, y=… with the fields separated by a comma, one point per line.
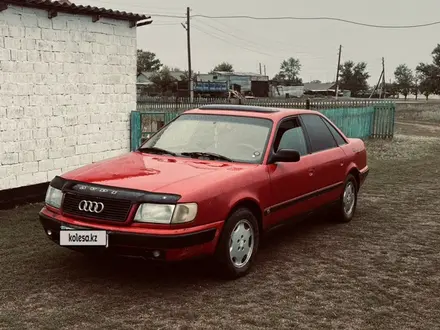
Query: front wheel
x=238, y=244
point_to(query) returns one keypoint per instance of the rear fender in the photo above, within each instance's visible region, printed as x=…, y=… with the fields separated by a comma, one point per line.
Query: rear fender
x=356, y=156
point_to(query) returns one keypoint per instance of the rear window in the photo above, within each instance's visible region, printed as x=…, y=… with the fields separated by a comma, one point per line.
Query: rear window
x=318, y=132
x=338, y=137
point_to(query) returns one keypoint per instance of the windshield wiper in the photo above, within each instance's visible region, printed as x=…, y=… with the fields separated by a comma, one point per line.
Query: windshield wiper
x=212, y=155
x=155, y=150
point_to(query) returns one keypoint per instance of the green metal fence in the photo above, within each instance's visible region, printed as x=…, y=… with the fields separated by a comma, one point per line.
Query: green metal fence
x=354, y=122
x=364, y=119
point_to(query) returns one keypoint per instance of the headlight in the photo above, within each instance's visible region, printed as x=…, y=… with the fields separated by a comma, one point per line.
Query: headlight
x=54, y=197
x=166, y=214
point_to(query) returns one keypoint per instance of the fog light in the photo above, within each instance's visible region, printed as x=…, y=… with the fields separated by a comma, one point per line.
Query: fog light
x=49, y=232
x=156, y=254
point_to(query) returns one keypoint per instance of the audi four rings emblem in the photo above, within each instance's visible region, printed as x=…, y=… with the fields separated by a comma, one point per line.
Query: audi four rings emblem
x=89, y=206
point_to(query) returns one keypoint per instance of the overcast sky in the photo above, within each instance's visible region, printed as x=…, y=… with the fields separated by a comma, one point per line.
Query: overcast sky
x=246, y=43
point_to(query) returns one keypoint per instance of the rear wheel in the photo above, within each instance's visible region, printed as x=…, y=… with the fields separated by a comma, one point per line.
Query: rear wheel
x=347, y=204
x=238, y=244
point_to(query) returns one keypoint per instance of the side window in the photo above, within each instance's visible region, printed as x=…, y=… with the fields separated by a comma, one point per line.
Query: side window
x=290, y=135
x=339, y=139
x=318, y=132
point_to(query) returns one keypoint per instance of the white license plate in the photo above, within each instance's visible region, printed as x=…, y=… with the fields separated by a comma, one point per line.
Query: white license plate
x=72, y=237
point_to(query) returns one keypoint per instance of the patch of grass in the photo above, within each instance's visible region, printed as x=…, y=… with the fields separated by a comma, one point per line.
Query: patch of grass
x=424, y=112
x=403, y=147
x=380, y=271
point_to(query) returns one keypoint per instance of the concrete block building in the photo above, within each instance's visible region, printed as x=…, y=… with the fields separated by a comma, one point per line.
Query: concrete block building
x=67, y=86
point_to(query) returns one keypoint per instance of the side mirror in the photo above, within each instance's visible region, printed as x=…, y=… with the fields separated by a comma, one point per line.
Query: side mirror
x=284, y=156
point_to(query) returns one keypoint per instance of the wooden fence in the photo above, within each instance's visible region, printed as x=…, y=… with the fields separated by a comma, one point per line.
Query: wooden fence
x=358, y=118
x=182, y=104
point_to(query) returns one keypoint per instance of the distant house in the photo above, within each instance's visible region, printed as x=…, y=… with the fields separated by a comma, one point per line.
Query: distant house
x=146, y=86
x=324, y=89
x=286, y=91
x=244, y=82
x=144, y=77
x=320, y=88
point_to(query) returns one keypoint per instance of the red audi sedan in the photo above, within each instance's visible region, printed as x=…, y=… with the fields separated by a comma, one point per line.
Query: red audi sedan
x=209, y=183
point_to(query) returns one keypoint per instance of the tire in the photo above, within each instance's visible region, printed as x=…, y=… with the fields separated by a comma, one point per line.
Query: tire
x=346, y=207
x=243, y=222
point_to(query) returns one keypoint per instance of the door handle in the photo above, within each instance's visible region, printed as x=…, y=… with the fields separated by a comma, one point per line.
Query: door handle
x=311, y=171
x=342, y=164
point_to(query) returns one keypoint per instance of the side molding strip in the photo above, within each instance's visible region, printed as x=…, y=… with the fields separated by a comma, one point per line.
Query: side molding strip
x=302, y=198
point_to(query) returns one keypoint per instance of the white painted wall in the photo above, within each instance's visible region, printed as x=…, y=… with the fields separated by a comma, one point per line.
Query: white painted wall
x=67, y=86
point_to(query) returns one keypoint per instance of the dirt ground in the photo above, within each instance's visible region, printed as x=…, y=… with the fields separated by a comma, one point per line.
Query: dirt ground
x=381, y=271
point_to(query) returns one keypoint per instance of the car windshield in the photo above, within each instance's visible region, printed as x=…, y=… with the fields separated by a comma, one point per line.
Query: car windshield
x=220, y=137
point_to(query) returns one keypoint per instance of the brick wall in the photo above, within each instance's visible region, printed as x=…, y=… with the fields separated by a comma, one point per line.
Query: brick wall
x=67, y=86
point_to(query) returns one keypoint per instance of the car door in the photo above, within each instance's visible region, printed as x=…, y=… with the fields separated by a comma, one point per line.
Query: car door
x=327, y=158
x=290, y=183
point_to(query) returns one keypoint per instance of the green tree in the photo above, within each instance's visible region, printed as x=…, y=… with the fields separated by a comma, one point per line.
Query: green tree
x=353, y=77
x=163, y=80
x=290, y=69
x=147, y=62
x=436, y=56
x=184, y=76
x=428, y=87
x=415, y=89
x=224, y=67
x=429, y=83
x=392, y=88
x=289, y=73
x=405, y=79
x=429, y=74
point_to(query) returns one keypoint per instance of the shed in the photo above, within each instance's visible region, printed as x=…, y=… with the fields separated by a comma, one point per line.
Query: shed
x=67, y=87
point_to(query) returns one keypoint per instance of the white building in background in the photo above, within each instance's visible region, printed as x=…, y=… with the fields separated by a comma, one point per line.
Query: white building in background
x=67, y=86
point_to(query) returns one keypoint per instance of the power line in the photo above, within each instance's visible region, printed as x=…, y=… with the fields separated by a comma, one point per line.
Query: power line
x=250, y=42
x=167, y=15
x=231, y=35
x=268, y=40
x=253, y=50
x=278, y=18
x=323, y=18
x=253, y=46
x=229, y=42
x=165, y=24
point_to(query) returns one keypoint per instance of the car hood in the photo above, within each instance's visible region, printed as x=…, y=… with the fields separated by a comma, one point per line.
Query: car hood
x=156, y=173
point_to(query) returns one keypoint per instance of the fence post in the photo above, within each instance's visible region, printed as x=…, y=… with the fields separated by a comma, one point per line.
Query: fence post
x=135, y=130
x=393, y=118
x=308, y=104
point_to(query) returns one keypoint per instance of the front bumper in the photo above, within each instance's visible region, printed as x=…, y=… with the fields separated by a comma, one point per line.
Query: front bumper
x=363, y=175
x=170, y=247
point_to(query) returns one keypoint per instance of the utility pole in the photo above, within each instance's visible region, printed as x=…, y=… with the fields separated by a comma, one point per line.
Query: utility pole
x=260, y=69
x=265, y=70
x=383, y=77
x=188, y=39
x=377, y=85
x=337, y=72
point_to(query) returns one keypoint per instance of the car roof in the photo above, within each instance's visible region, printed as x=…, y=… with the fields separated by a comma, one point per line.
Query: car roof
x=272, y=113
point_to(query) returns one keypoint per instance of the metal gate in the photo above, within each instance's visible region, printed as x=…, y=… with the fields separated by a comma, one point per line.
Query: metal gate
x=143, y=124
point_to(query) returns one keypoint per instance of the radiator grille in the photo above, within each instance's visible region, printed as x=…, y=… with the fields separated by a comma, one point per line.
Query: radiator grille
x=114, y=209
